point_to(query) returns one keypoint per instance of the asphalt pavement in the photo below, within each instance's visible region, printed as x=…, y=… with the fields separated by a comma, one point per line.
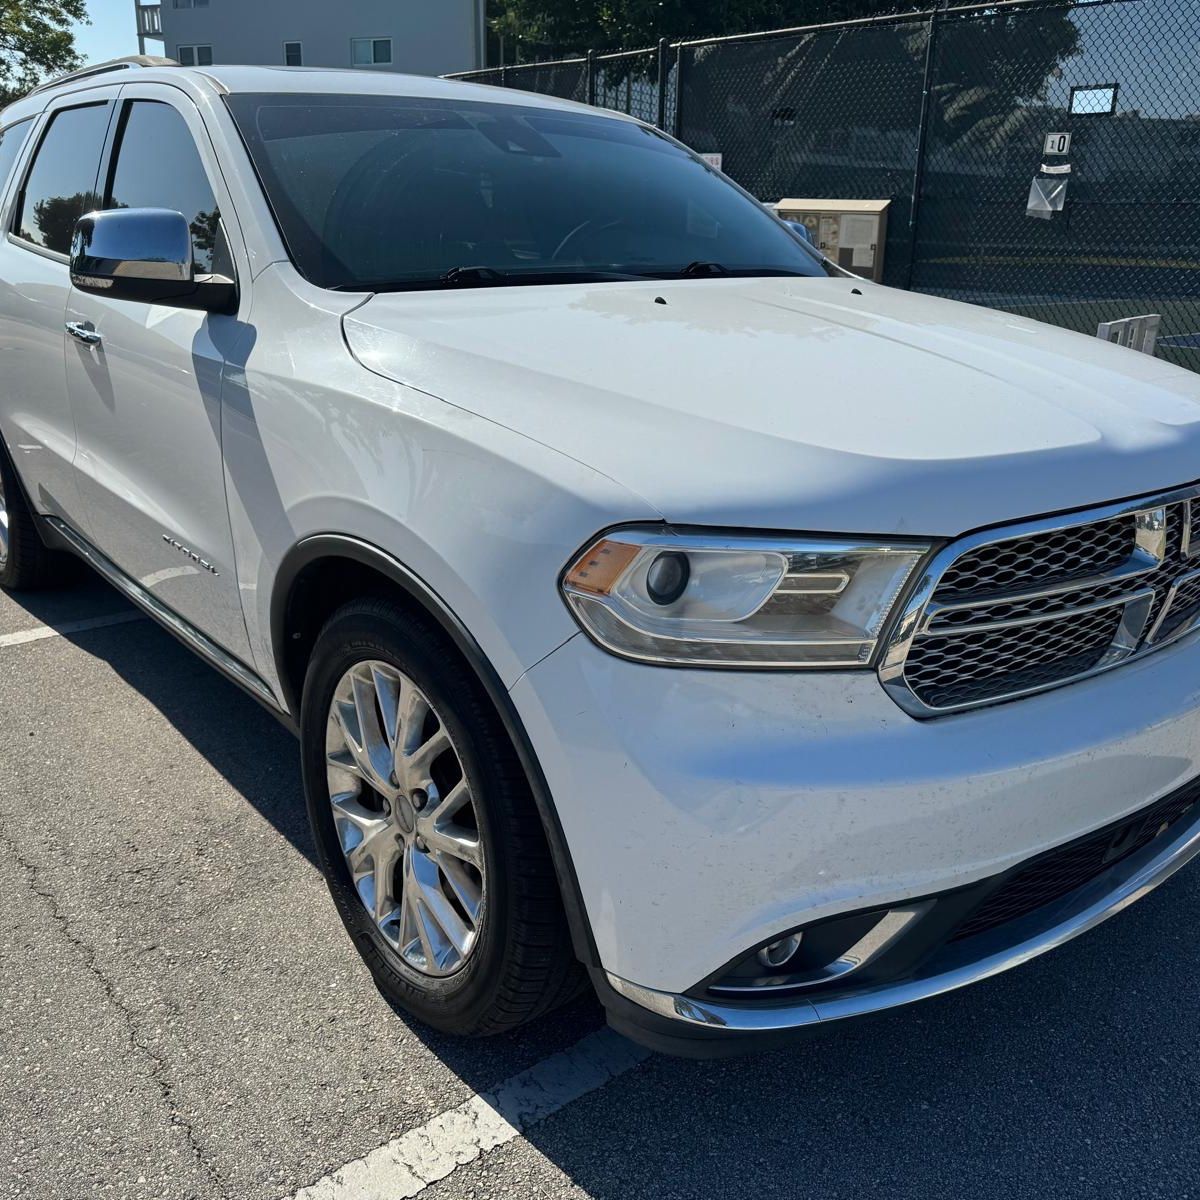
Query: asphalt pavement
x=181, y=1015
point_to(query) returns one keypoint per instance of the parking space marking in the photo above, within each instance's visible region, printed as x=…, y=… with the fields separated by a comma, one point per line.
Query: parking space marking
x=407, y=1165
x=67, y=627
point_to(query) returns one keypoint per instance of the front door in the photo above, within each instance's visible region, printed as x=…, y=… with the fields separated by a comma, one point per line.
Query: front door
x=147, y=394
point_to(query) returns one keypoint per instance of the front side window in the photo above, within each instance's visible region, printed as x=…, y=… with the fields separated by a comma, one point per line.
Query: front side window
x=387, y=192
x=62, y=181
x=370, y=52
x=293, y=54
x=158, y=166
x=11, y=141
x=194, y=56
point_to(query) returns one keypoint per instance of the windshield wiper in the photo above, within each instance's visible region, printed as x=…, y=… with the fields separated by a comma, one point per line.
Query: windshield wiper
x=486, y=277
x=472, y=275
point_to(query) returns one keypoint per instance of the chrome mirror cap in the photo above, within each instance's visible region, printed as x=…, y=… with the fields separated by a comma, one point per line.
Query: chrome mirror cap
x=144, y=255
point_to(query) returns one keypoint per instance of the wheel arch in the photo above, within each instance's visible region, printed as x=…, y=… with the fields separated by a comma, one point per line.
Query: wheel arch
x=334, y=569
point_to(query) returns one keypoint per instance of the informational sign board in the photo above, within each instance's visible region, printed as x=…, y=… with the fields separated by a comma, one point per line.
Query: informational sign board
x=716, y=161
x=851, y=232
x=1057, y=143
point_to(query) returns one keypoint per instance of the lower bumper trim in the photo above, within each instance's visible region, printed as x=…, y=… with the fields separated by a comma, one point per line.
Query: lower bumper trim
x=964, y=962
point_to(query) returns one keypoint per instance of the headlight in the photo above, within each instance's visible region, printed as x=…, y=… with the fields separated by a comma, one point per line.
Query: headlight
x=662, y=596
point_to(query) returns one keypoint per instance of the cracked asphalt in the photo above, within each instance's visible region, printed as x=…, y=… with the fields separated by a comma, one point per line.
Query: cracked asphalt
x=181, y=1015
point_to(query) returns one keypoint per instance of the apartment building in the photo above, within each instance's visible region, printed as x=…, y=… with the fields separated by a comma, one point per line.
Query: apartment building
x=420, y=37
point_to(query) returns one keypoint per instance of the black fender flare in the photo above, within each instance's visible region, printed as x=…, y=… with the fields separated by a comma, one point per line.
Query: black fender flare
x=331, y=545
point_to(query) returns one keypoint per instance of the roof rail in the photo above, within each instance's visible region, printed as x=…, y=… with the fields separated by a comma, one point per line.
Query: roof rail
x=113, y=64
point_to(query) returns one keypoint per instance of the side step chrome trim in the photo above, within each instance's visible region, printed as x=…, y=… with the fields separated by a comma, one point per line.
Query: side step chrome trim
x=153, y=607
x=1127, y=882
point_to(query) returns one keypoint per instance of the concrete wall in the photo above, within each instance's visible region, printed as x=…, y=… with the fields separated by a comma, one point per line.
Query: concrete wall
x=429, y=37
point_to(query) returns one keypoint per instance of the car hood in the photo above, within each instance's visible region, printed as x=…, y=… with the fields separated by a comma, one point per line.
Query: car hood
x=799, y=404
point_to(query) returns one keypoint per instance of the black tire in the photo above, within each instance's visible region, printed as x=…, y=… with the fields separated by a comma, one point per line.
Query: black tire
x=27, y=564
x=522, y=964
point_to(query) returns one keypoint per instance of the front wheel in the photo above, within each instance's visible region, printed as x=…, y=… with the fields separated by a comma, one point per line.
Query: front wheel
x=426, y=828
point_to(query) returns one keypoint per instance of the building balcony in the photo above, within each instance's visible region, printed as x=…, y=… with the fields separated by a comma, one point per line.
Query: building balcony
x=149, y=20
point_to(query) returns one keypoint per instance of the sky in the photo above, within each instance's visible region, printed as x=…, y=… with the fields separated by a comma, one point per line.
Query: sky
x=112, y=33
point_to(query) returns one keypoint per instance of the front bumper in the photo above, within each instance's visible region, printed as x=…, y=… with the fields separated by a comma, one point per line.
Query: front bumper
x=707, y=812
x=683, y=1024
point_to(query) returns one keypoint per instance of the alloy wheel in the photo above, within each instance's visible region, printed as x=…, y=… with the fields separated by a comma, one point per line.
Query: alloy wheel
x=405, y=817
x=4, y=539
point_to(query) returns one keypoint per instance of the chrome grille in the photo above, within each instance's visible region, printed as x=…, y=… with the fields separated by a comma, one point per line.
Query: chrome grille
x=1061, y=555
x=1016, y=611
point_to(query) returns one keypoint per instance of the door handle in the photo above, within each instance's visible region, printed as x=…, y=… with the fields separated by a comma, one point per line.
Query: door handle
x=84, y=332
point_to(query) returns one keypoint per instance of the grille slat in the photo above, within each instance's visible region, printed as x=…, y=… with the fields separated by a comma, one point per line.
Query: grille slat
x=1080, y=593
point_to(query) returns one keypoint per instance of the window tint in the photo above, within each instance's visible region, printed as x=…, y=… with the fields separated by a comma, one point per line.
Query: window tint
x=11, y=141
x=394, y=192
x=158, y=166
x=60, y=187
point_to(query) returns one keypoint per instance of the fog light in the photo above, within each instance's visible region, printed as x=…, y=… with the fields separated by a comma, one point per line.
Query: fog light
x=777, y=953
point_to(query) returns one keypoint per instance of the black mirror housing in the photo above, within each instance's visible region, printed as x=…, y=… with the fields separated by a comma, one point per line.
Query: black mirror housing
x=145, y=255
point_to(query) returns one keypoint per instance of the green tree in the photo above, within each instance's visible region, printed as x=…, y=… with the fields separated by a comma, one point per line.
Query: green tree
x=567, y=26
x=36, y=40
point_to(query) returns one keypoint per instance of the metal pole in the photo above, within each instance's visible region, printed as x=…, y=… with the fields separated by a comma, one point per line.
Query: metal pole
x=591, y=77
x=137, y=16
x=663, y=73
x=677, y=124
x=914, y=210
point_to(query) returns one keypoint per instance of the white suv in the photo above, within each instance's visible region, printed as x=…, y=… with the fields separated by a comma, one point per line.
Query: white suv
x=646, y=592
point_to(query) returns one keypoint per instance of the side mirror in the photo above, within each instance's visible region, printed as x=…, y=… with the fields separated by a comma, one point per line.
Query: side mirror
x=146, y=255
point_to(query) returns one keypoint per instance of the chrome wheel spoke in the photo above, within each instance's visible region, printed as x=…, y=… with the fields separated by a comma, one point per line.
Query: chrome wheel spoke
x=462, y=844
x=3, y=525
x=453, y=931
x=416, y=764
x=464, y=884
x=414, y=856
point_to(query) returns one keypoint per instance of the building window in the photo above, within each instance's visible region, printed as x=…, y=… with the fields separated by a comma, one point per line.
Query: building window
x=293, y=54
x=370, y=52
x=191, y=3
x=194, y=56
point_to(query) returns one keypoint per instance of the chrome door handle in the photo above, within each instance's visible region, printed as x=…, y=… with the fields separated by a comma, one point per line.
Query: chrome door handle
x=84, y=332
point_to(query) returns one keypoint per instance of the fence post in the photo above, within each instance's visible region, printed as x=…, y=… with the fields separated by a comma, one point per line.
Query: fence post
x=591, y=77
x=914, y=208
x=677, y=124
x=663, y=72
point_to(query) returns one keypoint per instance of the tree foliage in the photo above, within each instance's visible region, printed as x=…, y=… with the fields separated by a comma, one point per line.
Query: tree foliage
x=576, y=25
x=36, y=40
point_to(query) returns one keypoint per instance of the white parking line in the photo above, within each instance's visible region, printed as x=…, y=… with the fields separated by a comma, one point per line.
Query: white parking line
x=67, y=627
x=409, y=1164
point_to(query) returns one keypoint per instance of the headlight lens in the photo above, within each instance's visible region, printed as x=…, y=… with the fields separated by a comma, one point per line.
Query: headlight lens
x=665, y=596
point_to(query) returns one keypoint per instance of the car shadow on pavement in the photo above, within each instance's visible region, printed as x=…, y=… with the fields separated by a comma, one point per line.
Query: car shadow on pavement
x=251, y=750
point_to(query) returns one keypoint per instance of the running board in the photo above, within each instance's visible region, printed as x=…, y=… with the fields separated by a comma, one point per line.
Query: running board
x=170, y=620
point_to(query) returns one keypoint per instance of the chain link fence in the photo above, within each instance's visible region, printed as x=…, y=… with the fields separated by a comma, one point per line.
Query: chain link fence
x=946, y=114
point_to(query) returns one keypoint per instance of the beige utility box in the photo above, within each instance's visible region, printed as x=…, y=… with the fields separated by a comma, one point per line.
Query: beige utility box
x=851, y=232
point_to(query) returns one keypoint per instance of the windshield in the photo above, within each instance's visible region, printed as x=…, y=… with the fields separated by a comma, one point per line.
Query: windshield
x=389, y=193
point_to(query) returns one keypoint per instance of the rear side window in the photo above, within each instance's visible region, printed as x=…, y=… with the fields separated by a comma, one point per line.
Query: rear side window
x=159, y=166
x=62, y=181
x=11, y=141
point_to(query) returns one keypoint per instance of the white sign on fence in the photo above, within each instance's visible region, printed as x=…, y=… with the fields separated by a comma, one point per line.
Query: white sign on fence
x=1057, y=143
